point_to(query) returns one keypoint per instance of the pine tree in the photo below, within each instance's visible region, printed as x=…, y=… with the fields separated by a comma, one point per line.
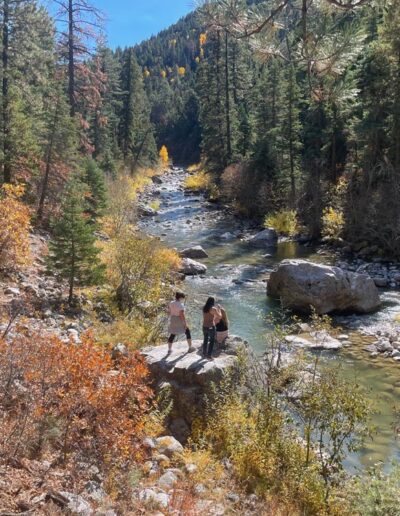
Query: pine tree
x=136, y=132
x=27, y=37
x=72, y=251
x=93, y=176
x=60, y=152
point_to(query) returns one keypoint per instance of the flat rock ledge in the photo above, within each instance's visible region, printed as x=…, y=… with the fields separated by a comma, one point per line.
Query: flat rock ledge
x=189, y=377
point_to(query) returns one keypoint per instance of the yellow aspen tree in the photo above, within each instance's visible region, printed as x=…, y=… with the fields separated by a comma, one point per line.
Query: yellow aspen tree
x=164, y=155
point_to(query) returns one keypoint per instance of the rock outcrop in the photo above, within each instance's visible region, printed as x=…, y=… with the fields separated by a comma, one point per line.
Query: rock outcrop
x=300, y=285
x=194, y=252
x=317, y=340
x=266, y=238
x=188, y=377
x=190, y=267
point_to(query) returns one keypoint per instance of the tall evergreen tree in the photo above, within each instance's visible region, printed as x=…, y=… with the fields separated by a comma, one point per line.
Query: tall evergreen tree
x=93, y=176
x=136, y=132
x=27, y=39
x=72, y=251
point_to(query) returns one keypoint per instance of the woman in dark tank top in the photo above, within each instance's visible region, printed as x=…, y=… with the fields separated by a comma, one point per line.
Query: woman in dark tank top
x=210, y=316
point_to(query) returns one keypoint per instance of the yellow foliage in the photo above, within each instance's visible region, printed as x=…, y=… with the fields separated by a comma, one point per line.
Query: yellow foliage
x=264, y=455
x=172, y=42
x=14, y=227
x=181, y=70
x=138, y=268
x=208, y=471
x=163, y=74
x=284, y=222
x=194, y=168
x=202, y=39
x=332, y=223
x=197, y=59
x=146, y=72
x=164, y=155
x=199, y=181
x=123, y=192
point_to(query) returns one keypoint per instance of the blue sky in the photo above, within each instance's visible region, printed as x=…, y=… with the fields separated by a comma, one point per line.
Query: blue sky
x=131, y=21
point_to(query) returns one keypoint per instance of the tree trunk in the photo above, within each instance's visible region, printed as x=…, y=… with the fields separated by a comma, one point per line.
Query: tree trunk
x=6, y=96
x=72, y=276
x=219, y=107
x=49, y=161
x=227, y=102
x=291, y=138
x=71, y=58
x=128, y=113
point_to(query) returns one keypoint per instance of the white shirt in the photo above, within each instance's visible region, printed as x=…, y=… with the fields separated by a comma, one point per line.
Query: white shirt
x=176, y=307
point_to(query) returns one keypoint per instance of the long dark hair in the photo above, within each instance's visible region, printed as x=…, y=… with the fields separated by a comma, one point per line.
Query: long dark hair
x=209, y=304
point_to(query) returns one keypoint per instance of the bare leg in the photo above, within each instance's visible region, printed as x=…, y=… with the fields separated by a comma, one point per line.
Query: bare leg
x=189, y=339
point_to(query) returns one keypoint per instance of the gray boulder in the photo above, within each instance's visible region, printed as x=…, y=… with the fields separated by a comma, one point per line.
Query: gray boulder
x=194, y=252
x=190, y=267
x=300, y=285
x=266, y=238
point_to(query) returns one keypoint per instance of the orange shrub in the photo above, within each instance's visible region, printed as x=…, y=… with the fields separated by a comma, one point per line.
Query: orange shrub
x=71, y=398
x=14, y=227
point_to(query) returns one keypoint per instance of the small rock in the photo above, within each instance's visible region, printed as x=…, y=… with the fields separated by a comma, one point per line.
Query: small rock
x=380, y=282
x=167, y=480
x=162, y=459
x=233, y=497
x=149, y=443
x=119, y=351
x=152, y=497
x=148, y=466
x=199, y=489
x=191, y=468
x=194, y=252
x=168, y=445
x=94, y=491
x=12, y=291
x=190, y=267
x=76, y=504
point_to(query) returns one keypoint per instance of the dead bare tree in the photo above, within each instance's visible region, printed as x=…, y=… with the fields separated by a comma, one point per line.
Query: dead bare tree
x=81, y=22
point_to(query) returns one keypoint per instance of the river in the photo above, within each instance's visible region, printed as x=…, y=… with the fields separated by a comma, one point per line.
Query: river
x=237, y=277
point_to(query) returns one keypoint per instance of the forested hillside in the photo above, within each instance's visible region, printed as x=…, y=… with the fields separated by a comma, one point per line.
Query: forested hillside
x=294, y=110
x=170, y=61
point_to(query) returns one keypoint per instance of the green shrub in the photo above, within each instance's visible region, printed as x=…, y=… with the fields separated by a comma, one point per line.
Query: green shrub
x=284, y=222
x=376, y=493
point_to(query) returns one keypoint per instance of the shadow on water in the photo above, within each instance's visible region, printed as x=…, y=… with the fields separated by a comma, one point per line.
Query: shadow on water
x=237, y=276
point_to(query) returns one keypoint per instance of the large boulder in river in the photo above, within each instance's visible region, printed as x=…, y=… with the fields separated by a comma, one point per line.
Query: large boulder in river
x=266, y=238
x=190, y=267
x=194, y=252
x=189, y=377
x=300, y=285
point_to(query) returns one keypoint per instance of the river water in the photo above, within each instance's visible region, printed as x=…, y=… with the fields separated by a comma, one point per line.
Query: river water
x=237, y=275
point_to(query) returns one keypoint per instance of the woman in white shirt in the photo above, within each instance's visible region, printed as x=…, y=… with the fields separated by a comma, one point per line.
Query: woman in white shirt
x=177, y=322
